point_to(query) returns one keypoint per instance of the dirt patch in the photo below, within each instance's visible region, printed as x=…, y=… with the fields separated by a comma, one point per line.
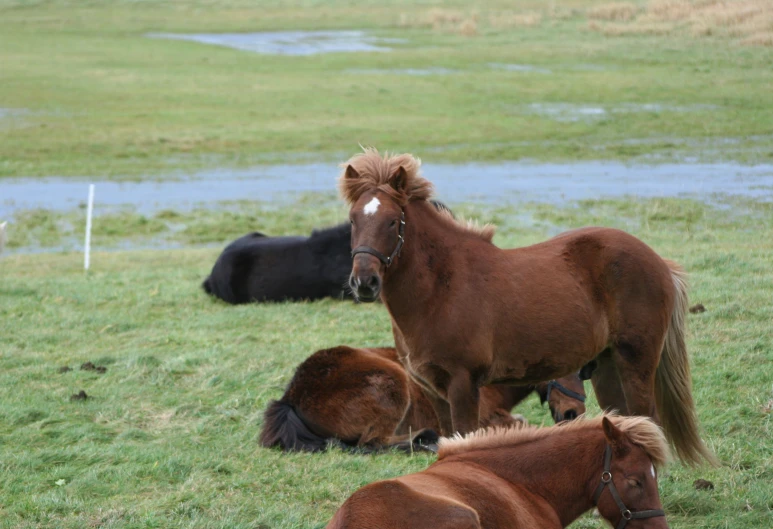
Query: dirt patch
x=703, y=484
x=81, y=395
x=64, y=369
x=696, y=309
x=89, y=366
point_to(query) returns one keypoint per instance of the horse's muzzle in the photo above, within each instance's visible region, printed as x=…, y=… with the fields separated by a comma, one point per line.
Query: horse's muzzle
x=568, y=415
x=366, y=287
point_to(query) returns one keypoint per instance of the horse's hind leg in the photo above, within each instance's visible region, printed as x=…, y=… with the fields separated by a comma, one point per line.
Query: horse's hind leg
x=637, y=361
x=607, y=384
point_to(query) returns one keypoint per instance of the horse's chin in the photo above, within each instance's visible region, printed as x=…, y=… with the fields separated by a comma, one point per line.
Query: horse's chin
x=367, y=298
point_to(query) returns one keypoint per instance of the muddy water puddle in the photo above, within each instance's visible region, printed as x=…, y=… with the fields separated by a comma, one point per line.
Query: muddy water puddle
x=289, y=42
x=494, y=183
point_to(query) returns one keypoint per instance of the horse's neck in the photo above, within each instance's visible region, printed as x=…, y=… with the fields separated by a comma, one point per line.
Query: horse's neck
x=561, y=469
x=427, y=254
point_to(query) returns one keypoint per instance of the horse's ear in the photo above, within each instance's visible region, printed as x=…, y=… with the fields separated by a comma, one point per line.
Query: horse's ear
x=351, y=173
x=615, y=437
x=399, y=179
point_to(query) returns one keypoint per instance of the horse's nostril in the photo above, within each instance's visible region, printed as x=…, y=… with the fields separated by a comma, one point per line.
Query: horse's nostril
x=373, y=282
x=570, y=415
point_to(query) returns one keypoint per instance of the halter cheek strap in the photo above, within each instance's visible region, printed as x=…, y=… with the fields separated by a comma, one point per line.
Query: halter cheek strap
x=395, y=253
x=563, y=389
x=625, y=512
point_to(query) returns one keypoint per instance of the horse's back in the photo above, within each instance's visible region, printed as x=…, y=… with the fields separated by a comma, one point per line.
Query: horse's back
x=260, y=268
x=392, y=504
x=560, y=302
x=347, y=390
x=453, y=495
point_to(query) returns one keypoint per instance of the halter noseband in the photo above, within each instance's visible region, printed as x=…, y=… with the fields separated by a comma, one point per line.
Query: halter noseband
x=563, y=389
x=381, y=257
x=625, y=512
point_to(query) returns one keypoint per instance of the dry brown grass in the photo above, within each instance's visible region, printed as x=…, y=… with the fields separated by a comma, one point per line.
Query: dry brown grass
x=468, y=23
x=515, y=20
x=443, y=20
x=614, y=11
x=469, y=27
x=749, y=20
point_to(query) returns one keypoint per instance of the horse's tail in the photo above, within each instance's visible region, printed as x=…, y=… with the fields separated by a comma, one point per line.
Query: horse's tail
x=283, y=427
x=673, y=383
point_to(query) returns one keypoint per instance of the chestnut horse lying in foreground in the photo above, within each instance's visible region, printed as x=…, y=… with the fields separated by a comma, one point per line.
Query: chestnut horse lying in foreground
x=466, y=314
x=524, y=478
x=359, y=396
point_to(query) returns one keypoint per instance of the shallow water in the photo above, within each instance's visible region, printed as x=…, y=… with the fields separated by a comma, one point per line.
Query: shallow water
x=523, y=68
x=402, y=71
x=12, y=112
x=508, y=182
x=570, y=112
x=288, y=42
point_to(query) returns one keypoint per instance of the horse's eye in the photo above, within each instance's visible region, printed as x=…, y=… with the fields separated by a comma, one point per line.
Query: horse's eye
x=634, y=483
x=351, y=221
x=392, y=224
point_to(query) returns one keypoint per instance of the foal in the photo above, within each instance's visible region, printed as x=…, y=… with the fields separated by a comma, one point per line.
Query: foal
x=523, y=479
x=359, y=396
x=466, y=314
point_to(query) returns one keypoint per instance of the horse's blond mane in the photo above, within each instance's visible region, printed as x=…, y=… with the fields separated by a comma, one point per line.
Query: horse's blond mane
x=377, y=173
x=640, y=431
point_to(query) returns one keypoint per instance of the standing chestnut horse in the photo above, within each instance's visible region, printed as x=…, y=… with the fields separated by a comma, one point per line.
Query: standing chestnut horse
x=466, y=314
x=524, y=478
x=358, y=397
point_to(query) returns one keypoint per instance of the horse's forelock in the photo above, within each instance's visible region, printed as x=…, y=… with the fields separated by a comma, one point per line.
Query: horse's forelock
x=378, y=173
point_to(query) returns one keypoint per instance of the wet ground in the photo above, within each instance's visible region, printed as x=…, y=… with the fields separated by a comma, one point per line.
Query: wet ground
x=496, y=183
x=569, y=112
x=288, y=42
x=12, y=112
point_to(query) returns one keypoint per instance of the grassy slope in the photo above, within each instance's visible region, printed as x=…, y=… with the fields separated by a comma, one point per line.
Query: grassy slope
x=105, y=100
x=169, y=438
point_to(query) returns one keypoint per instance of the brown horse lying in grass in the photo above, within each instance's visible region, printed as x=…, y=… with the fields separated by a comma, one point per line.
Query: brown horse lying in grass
x=359, y=396
x=523, y=479
x=466, y=314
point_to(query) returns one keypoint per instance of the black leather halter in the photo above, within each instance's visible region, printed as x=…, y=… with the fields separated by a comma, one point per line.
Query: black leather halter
x=563, y=389
x=625, y=512
x=381, y=257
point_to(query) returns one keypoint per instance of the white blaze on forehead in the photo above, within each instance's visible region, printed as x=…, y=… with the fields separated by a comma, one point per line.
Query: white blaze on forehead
x=372, y=206
x=652, y=469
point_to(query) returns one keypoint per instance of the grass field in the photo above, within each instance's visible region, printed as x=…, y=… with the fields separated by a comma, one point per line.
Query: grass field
x=168, y=435
x=102, y=99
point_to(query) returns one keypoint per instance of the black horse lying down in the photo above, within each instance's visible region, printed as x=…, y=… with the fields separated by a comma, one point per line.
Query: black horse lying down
x=261, y=268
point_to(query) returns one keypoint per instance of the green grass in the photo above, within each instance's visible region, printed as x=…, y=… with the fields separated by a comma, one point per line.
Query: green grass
x=106, y=101
x=169, y=437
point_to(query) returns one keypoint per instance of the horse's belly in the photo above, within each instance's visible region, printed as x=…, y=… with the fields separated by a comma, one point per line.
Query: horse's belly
x=542, y=348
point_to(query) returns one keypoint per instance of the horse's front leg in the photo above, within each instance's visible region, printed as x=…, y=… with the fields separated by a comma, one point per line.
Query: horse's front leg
x=463, y=396
x=442, y=411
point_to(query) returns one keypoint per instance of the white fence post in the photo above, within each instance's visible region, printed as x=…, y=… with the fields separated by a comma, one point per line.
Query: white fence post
x=87, y=249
